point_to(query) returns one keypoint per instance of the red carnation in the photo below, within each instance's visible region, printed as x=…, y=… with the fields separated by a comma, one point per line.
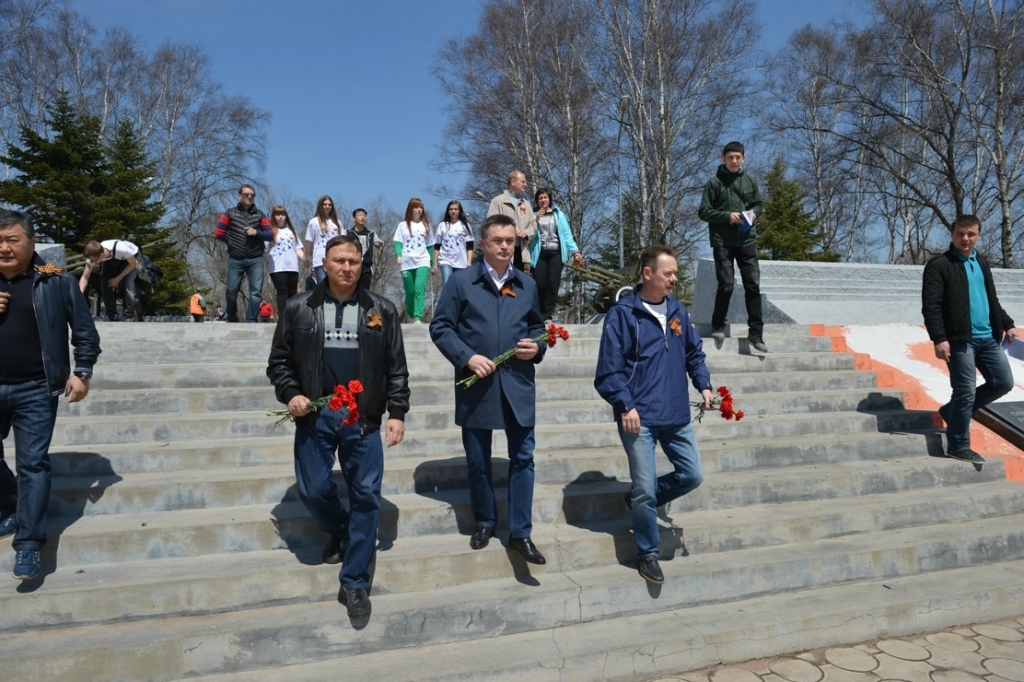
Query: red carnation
x=355, y=386
x=723, y=391
x=336, y=403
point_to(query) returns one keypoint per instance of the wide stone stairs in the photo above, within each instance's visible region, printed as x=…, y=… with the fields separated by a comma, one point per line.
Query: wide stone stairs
x=179, y=547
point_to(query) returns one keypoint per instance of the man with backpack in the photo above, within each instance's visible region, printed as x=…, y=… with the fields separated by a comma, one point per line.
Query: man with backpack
x=119, y=266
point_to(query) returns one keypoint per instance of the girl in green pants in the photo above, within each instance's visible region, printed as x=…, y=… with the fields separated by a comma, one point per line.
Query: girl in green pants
x=414, y=249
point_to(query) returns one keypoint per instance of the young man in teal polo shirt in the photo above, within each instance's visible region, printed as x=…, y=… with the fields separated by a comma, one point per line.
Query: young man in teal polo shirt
x=966, y=324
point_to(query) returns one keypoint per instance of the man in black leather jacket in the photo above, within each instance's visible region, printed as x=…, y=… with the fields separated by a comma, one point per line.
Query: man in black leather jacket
x=38, y=302
x=326, y=338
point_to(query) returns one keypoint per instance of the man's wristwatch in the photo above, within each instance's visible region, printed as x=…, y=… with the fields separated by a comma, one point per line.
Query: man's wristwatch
x=84, y=376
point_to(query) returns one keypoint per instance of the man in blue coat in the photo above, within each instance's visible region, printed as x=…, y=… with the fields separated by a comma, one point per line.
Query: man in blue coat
x=484, y=310
x=646, y=347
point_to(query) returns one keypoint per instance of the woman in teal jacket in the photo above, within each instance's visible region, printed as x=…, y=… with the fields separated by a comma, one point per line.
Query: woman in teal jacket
x=552, y=245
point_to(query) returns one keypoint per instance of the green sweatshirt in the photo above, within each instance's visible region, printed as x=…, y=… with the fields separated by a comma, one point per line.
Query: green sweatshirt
x=729, y=193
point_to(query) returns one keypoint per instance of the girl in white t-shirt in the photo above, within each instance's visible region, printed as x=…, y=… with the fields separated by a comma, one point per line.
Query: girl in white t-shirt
x=283, y=256
x=454, y=241
x=321, y=229
x=414, y=248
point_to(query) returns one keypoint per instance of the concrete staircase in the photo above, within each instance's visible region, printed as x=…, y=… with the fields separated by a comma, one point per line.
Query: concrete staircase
x=179, y=547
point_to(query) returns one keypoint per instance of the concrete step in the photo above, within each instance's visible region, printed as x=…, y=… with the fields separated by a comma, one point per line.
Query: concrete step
x=432, y=368
x=842, y=412
x=162, y=490
x=225, y=513
x=212, y=583
x=114, y=334
x=203, y=353
x=433, y=414
x=93, y=461
x=304, y=633
x=662, y=643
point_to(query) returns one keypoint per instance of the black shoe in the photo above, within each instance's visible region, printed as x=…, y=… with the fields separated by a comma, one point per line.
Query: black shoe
x=757, y=344
x=718, y=334
x=8, y=525
x=650, y=570
x=967, y=455
x=526, y=547
x=334, y=550
x=628, y=497
x=481, y=537
x=356, y=600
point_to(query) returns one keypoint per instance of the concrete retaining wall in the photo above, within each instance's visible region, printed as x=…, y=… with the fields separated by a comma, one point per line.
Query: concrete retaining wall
x=838, y=293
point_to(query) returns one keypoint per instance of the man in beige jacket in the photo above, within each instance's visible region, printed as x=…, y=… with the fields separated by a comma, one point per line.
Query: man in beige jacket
x=515, y=203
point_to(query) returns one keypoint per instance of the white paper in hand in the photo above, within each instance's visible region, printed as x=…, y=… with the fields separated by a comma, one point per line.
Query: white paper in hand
x=748, y=220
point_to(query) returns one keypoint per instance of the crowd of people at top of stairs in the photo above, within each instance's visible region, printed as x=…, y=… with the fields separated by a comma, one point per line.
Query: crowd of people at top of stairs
x=341, y=334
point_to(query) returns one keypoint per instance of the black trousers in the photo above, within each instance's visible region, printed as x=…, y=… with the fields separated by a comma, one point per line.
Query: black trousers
x=287, y=285
x=746, y=258
x=547, y=273
x=365, y=277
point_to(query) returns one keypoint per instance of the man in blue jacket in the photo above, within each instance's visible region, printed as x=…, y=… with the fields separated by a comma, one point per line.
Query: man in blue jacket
x=38, y=302
x=647, y=345
x=484, y=310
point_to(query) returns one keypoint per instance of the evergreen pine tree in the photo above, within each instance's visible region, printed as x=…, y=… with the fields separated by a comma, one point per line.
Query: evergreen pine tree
x=786, y=229
x=58, y=177
x=127, y=211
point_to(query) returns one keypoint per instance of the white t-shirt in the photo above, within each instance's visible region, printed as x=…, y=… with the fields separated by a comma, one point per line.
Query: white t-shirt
x=452, y=239
x=119, y=248
x=660, y=311
x=283, y=255
x=319, y=238
x=414, y=246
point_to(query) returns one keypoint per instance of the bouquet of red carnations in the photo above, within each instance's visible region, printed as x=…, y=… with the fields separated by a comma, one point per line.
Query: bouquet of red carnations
x=721, y=403
x=550, y=335
x=344, y=397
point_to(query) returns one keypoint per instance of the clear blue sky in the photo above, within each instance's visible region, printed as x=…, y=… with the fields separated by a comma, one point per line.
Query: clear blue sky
x=356, y=112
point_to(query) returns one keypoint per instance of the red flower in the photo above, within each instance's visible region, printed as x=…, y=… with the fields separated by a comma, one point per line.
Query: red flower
x=336, y=403
x=355, y=386
x=723, y=391
x=739, y=415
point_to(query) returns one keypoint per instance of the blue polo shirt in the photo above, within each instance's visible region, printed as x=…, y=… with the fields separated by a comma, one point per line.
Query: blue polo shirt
x=980, y=326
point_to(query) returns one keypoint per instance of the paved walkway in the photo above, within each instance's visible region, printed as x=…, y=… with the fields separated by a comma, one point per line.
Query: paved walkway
x=992, y=652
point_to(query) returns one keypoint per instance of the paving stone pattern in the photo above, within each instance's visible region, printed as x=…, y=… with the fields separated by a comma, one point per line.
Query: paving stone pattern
x=992, y=652
x=179, y=548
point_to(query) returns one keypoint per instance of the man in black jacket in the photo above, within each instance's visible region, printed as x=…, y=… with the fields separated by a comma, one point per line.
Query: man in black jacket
x=245, y=228
x=966, y=324
x=38, y=302
x=328, y=337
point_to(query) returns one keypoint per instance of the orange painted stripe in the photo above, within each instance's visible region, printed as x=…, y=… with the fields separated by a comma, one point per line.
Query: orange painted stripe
x=983, y=441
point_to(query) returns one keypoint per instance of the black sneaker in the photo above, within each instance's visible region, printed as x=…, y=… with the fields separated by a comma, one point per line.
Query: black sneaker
x=334, y=550
x=356, y=600
x=718, y=334
x=967, y=455
x=650, y=570
x=757, y=344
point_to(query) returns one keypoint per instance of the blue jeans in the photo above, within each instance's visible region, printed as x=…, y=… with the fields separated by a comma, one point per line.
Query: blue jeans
x=651, y=491
x=32, y=412
x=446, y=272
x=988, y=357
x=362, y=461
x=252, y=270
x=477, y=443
